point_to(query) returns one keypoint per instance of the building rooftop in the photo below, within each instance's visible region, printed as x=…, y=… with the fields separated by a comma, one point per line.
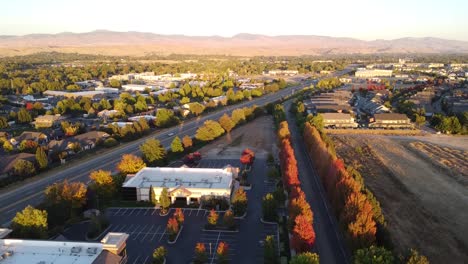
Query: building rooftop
x=205, y=178
x=336, y=116
x=390, y=116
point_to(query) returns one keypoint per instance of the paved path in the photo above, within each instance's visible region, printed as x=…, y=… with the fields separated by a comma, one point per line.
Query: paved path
x=329, y=243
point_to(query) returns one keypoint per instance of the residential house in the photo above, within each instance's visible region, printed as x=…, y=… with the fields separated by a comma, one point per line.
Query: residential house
x=38, y=137
x=8, y=161
x=86, y=141
x=390, y=120
x=46, y=121
x=251, y=86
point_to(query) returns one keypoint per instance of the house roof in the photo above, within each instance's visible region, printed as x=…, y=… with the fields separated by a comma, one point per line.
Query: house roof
x=336, y=116
x=30, y=135
x=84, y=139
x=390, y=116
x=8, y=161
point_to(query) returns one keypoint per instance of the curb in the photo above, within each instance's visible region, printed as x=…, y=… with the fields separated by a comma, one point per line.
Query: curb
x=242, y=216
x=266, y=222
x=175, y=240
x=220, y=230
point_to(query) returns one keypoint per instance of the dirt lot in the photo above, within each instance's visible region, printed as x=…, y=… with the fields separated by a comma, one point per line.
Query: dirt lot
x=424, y=205
x=257, y=135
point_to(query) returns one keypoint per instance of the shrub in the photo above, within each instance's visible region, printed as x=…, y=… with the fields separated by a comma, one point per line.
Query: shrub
x=110, y=142
x=159, y=254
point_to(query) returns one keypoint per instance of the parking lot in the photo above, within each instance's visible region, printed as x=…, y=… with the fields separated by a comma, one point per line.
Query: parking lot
x=147, y=229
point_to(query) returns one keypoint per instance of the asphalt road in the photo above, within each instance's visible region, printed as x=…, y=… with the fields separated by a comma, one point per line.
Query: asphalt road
x=329, y=243
x=32, y=193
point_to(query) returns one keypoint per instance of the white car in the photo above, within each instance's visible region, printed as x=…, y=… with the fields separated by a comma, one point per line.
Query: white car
x=170, y=134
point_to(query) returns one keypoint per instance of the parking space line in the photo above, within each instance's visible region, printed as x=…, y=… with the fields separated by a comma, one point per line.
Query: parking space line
x=154, y=211
x=139, y=232
x=190, y=212
x=129, y=228
x=216, y=246
x=144, y=262
x=162, y=235
x=155, y=232
x=131, y=212
x=147, y=233
x=120, y=228
x=136, y=259
x=117, y=211
x=138, y=212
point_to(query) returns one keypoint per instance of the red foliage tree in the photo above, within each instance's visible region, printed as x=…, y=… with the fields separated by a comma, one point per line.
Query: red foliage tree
x=179, y=216
x=300, y=206
x=303, y=234
x=172, y=226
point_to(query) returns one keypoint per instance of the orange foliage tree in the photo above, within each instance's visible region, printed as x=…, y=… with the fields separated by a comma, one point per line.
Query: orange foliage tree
x=303, y=234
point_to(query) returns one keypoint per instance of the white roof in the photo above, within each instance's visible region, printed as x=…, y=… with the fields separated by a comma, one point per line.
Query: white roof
x=16, y=251
x=193, y=178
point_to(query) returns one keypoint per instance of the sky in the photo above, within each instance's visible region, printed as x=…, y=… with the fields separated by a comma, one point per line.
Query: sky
x=362, y=19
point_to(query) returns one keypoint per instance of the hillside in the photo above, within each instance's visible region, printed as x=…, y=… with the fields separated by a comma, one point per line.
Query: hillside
x=138, y=44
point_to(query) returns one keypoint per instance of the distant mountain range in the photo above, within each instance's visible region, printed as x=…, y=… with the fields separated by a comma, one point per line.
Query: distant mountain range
x=139, y=44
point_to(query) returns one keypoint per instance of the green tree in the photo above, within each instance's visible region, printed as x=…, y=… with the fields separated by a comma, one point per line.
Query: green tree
x=305, y=258
x=164, y=200
x=176, y=145
x=420, y=120
x=226, y=123
x=115, y=83
x=239, y=202
x=416, y=258
x=30, y=223
x=24, y=168
x=269, y=208
x=270, y=255
x=41, y=158
x=316, y=121
x=165, y=118
x=159, y=254
x=209, y=131
x=153, y=152
x=24, y=116
x=373, y=255
x=3, y=122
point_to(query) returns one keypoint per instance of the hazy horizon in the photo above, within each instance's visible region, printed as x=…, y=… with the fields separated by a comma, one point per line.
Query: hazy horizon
x=360, y=19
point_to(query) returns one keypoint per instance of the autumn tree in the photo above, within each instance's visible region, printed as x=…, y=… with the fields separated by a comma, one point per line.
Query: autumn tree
x=23, y=168
x=30, y=223
x=176, y=145
x=283, y=130
x=300, y=206
x=209, y=131
x=222, y=253
x=196, y=108
x=3, y=122
x=41, y=158
x=238, y=116
x=270, y=255
x=213, y=218
x=64, y=200
x=7, y=146
x=103, y=184
x=228, y=219
x=305, y=258
x=303, y=234
x=153, y=152
x=165, y=118
x=316, y=121
x=164, y=200
x=373, y=255
x=172, y=228
x=200, y=254
x=24, y=116
x=416, y=258
x=152, y=195
x=130, y=164
x=226, y=122
x=159, y=255
x=187, y=142
x=179, y=216
x=239, y=202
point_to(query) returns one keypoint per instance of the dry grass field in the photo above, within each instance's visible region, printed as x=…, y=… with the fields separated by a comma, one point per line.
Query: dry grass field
x=257, y=135
x=425, y=207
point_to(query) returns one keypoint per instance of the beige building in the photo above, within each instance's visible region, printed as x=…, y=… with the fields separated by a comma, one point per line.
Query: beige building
x=187, y=184
x=338, y=120
x=46, y=121
x=390, y=120
x=373, y=73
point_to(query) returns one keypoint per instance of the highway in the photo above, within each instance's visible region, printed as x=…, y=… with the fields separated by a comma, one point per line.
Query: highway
x=32, y=193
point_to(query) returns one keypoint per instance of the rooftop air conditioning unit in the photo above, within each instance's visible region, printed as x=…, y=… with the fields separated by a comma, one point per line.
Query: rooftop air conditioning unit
x=76, y=250
x=91, y=250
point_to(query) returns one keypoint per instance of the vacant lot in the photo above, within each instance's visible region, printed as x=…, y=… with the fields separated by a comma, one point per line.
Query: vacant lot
x=257, y=135
x=424, y=205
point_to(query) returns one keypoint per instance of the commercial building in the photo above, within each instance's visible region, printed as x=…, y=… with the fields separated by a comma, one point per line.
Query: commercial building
x=90, y=94
x=338, y=120
x=282, y=72
x=373, y=73
x=111, y=249
x=390, y=120
x=108, y=90
x=139, y=87
x=251, y=86
x=186, y=184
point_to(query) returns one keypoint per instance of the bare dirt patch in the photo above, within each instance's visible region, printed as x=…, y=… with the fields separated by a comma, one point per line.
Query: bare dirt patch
x=424, y=207
x=257, y=135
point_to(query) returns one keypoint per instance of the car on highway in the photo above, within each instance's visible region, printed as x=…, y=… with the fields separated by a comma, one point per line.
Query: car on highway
x=170, y=134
